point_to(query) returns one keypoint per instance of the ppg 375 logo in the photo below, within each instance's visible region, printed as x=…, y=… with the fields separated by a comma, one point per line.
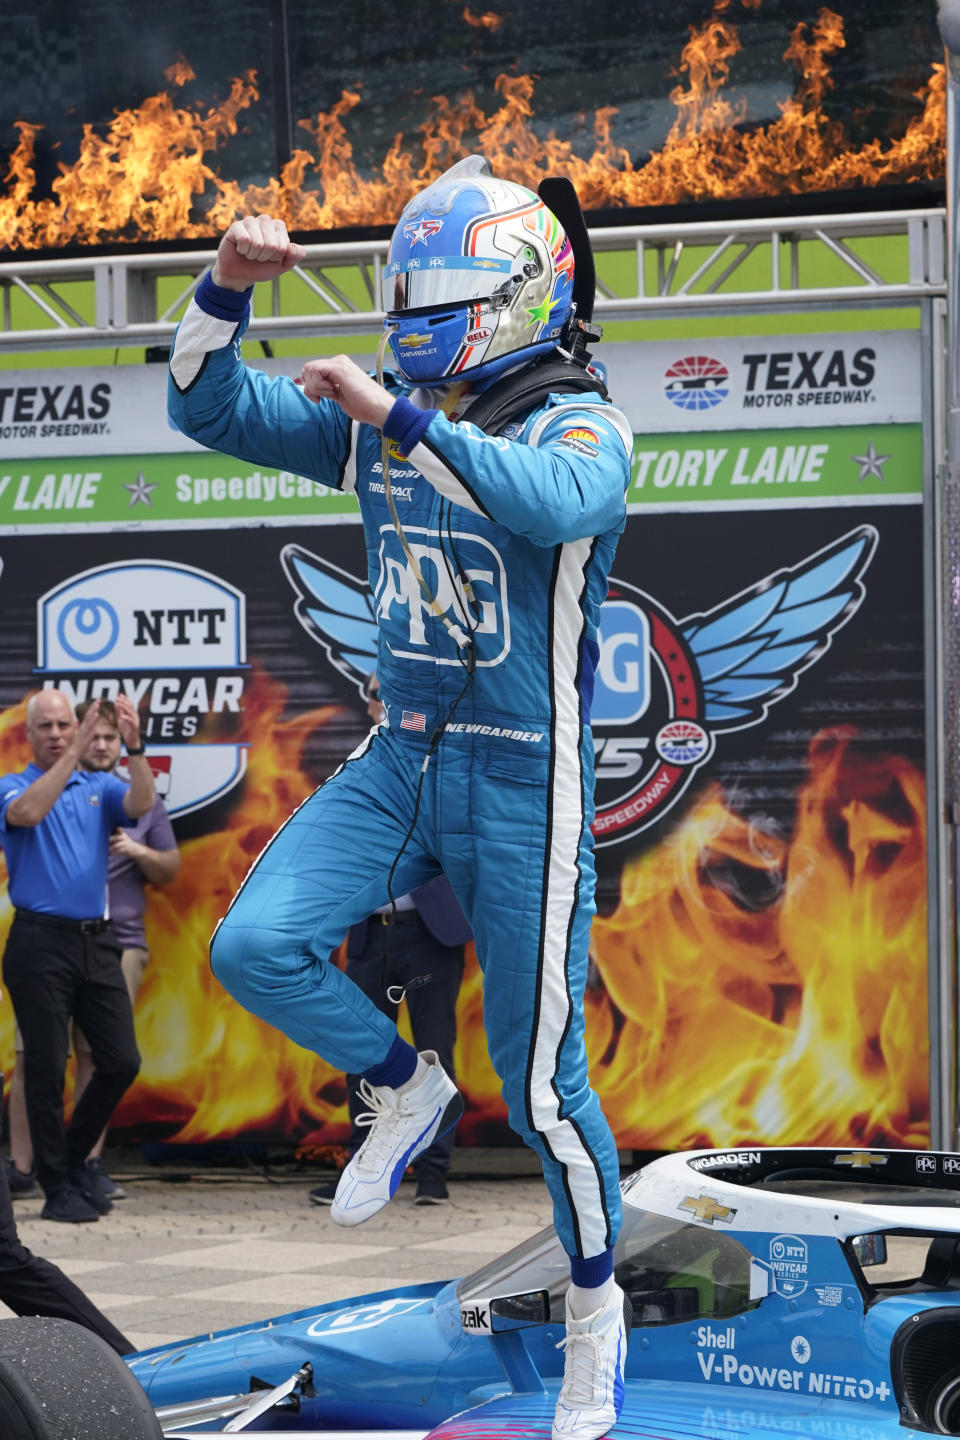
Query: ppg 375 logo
x=666, y=689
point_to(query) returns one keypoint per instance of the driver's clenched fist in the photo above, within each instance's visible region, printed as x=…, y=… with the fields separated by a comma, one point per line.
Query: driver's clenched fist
x=255, y=248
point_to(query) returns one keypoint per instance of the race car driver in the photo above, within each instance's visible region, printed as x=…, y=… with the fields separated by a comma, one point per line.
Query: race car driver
x=488, y=561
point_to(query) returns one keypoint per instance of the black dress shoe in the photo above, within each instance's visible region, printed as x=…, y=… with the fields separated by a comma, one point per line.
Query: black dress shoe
x=69, y=1207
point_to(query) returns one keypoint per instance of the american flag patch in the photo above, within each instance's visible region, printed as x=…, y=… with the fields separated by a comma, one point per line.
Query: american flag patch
x=412, y=720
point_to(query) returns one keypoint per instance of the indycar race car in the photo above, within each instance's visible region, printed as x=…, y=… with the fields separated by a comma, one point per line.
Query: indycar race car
x=811, y=1292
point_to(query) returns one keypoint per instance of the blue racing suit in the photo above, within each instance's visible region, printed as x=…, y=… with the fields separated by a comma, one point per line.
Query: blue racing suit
x=515, y=538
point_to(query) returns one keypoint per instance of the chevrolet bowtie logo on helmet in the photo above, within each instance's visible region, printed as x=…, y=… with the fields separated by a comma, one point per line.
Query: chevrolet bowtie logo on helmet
x=414, y=340
x=860, y=1159
x=707, y=1209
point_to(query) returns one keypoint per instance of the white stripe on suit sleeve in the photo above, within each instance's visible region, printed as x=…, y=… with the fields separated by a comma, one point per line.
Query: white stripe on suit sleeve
x=197, y=335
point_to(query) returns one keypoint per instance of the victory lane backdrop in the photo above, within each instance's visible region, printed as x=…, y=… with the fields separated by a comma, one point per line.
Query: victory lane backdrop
x=759, y=963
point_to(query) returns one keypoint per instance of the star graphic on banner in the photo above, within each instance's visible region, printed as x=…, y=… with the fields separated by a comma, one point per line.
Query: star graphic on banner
x=140, y=490
x=871, y=464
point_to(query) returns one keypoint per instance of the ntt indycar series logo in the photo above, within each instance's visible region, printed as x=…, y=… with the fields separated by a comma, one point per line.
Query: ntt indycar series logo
x=173, y=639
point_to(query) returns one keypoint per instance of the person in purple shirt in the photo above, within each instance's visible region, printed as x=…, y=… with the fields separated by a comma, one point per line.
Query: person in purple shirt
x=141, y=852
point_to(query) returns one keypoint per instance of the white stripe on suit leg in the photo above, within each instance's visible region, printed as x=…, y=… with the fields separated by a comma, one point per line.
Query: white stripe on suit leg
x=562, y=877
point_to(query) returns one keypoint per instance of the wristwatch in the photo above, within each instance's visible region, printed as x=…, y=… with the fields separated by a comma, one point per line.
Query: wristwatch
x=136, y=750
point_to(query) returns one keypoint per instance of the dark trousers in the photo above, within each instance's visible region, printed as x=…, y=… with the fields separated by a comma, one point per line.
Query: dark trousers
x=411, y=953
x=32, y=1286
x=55, y=975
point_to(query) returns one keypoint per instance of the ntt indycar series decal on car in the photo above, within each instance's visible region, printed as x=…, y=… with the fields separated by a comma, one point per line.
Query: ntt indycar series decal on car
x=810, y=1292
x=665, y=689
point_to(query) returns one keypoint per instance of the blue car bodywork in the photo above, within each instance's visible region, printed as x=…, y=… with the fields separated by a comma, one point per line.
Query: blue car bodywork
x=812, y=1292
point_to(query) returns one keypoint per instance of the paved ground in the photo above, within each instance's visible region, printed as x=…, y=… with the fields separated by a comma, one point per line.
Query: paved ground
x=197, y=1250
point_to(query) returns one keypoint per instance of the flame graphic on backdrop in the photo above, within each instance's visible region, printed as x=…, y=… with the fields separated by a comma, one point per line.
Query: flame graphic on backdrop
x=150, y=176
x=752, y=988
x=802, y=1020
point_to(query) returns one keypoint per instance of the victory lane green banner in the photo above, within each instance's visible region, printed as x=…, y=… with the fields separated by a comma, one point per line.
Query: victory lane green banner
x=849, y=462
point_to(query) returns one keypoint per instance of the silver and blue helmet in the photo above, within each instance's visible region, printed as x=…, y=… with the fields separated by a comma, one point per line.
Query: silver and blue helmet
x=479, y=277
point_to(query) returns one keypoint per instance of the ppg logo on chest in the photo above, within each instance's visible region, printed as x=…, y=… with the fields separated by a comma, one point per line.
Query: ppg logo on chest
x=467, y=578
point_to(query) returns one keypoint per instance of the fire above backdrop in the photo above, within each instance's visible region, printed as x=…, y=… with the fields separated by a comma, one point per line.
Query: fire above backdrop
x=739, y=113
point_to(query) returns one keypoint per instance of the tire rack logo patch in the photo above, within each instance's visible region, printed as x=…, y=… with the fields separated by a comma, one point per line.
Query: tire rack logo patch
x=172, y=638
x=667, y=689
x=698, y=382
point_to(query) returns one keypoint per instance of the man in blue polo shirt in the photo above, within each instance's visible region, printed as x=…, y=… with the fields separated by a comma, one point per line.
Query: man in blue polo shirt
x=62, y=960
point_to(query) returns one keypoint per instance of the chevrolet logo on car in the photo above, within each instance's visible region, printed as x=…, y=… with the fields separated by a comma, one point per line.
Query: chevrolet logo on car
x=707, y=1209
x=860, y=1159
x=409, y=341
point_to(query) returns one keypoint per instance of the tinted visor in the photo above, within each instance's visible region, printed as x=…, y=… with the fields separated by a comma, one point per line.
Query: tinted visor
x=421, y=283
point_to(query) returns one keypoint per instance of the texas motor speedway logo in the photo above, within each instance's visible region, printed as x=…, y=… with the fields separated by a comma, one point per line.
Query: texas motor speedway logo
x=665, y=689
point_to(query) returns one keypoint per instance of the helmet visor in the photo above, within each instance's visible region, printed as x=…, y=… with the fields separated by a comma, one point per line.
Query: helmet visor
x=430, y=282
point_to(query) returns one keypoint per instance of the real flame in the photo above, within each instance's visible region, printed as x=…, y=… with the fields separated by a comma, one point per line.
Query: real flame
x=715, y=1018
x=150, y=176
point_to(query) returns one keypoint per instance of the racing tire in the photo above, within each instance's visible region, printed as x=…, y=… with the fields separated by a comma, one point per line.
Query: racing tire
x=59, y=1381
x=941, y=1413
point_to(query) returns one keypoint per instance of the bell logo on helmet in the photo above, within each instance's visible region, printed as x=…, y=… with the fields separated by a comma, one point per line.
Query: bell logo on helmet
x=478, y=336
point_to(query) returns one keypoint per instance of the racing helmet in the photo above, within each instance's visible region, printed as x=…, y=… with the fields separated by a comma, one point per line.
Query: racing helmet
x=479, y=278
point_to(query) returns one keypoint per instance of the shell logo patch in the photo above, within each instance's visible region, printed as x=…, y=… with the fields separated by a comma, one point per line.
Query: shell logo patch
x=581, y=439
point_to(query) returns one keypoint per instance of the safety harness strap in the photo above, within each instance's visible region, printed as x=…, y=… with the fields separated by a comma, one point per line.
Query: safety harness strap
x=523, y=390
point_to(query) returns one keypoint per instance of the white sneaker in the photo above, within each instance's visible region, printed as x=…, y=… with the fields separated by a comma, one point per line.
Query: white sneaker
x=401, y=1128
x=591, y=1396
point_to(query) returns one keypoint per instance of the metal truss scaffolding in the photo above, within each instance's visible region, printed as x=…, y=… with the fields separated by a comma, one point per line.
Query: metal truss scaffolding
x=113, y=300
